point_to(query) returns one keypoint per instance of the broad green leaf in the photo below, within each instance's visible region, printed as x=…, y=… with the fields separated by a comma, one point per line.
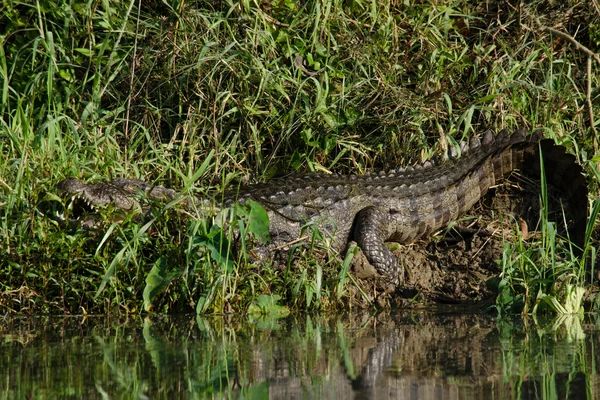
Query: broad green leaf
x=267, y=305
x=258, y=221
x=219, y=250
x=157, y=281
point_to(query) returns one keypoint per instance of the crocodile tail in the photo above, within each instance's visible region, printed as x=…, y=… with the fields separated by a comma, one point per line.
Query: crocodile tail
x=562, y=171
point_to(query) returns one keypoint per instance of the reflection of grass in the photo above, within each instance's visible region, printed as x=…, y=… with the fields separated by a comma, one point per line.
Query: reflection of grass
x=127, y=377
x=231, y=356
x=204, y=94
x=549, y=360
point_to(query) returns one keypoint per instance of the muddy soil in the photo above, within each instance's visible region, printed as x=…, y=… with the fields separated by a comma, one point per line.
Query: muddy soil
x=454, y=266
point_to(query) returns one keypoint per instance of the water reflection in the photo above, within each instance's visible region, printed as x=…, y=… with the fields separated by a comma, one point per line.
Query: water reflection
x=404, y=356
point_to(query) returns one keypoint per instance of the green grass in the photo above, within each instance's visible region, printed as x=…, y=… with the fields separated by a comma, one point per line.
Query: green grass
x=198, y=95
x=549, y=274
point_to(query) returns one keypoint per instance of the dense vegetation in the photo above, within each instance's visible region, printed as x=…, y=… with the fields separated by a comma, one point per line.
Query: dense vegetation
x=200, y=94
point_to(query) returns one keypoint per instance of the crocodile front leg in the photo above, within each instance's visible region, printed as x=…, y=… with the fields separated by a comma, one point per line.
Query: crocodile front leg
x=370, y=233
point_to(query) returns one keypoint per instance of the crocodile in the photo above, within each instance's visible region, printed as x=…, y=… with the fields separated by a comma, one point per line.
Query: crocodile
x=399, y=205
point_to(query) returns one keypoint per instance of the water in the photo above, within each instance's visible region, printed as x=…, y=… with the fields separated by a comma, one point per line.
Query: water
x=419, y=355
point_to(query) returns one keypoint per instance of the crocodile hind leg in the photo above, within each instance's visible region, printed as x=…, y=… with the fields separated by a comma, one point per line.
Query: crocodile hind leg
x=370, y=234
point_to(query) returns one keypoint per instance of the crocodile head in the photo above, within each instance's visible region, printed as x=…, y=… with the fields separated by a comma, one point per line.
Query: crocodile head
x=74, y=193
x=85, y=200
x=121, y=193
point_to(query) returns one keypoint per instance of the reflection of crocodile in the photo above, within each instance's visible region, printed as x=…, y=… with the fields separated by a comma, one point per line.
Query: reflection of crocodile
x=399, y=205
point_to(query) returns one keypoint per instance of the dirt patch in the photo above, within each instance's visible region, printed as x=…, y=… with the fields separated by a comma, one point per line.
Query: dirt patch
x=453, y=266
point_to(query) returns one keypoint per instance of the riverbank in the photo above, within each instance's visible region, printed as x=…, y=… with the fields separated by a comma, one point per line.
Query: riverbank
x=200, y=96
